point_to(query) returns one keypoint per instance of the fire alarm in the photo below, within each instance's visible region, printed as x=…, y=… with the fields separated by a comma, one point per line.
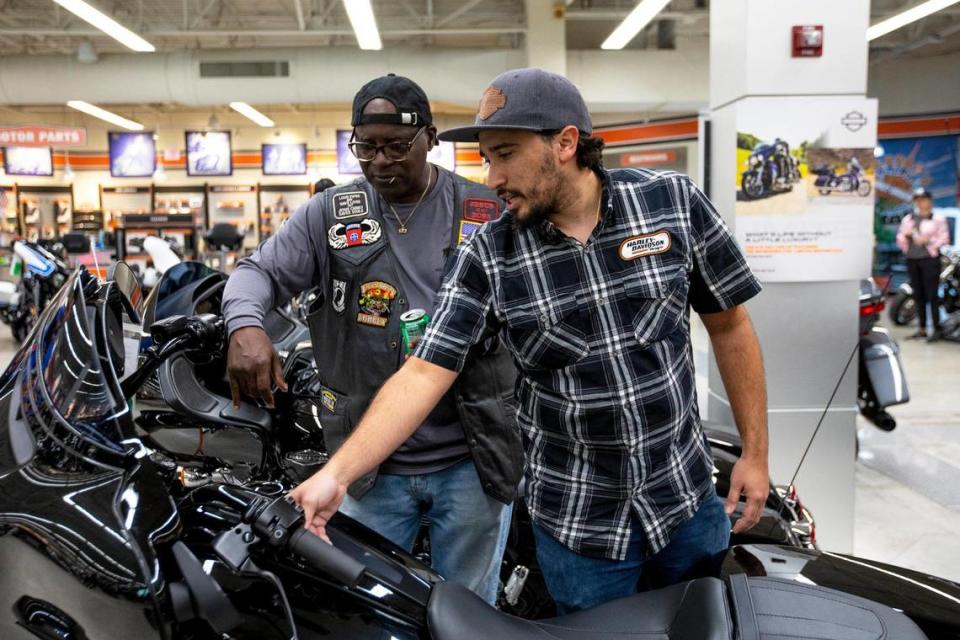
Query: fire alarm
x=808, y=41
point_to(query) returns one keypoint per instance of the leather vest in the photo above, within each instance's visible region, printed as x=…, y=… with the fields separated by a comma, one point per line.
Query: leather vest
x=355, y=330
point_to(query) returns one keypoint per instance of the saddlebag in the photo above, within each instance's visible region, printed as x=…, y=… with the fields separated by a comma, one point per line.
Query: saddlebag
x=881, y=357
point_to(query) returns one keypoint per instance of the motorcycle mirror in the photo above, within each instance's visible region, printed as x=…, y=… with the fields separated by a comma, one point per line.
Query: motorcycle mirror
x=128, y=283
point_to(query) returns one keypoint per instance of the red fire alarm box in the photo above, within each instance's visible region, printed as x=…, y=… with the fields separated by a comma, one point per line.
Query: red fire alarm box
x=808, y=41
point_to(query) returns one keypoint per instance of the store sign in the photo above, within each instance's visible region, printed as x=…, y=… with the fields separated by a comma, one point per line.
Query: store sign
x=31, y=136
x=653, y=158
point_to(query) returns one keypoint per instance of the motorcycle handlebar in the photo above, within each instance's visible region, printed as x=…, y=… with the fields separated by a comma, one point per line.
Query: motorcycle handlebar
x=279, y=522
x=326, y=557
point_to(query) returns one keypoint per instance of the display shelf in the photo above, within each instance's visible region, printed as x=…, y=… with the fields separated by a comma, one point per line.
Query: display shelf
x=277, y=204
x=118, y=201
x=172, y=199
x=177, y=227
x=45, y=211
x=237, y=204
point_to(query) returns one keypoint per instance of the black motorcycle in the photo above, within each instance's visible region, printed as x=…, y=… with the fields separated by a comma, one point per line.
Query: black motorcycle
x=881, y=380
x=903, y=308
x=104, y=536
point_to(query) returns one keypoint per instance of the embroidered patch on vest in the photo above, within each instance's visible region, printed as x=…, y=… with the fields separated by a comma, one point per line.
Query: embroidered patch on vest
x=338, y=299
x=350, y=205
x=647, y=244
x=467, y=229
x=355, y=234
x=480, y=209
x=328, y=398
x=375, y=300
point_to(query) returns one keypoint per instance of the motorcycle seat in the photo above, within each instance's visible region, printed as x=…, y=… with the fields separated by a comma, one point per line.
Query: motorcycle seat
x=694, y=610
x=756, y=608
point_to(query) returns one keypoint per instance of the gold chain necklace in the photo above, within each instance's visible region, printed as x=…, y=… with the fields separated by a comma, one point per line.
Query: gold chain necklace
x=403, y=223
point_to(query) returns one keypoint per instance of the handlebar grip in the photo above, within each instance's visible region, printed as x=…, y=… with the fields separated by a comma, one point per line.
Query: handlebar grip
x=326, y=557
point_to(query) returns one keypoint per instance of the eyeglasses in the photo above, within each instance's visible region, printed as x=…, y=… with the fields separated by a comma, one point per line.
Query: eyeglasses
x=392, y=151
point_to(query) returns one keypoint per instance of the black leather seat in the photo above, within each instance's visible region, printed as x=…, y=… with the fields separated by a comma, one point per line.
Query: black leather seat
x=224, y=235
x=756, y=609
x=695, y=610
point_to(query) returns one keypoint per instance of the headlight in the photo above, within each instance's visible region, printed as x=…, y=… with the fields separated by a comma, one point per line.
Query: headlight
x=755, y=160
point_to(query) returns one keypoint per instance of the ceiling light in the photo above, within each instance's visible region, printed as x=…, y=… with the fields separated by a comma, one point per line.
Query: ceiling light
x=636, y=20
x=103, y=114
x=253, y=114
x=918, y=12
x=106, y=24
x=364, y=24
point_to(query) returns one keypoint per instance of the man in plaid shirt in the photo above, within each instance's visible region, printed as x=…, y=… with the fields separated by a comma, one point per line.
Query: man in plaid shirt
x=588, y=278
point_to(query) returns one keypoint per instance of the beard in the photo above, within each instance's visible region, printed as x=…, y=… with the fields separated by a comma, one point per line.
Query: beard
x=544, y=198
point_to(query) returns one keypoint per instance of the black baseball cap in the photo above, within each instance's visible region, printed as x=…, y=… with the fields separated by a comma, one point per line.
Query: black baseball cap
x=922, y=193
x=529, y=100
x=411, y=102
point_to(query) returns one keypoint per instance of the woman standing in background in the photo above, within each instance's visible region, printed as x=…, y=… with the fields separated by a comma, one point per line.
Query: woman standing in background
x=920, y=237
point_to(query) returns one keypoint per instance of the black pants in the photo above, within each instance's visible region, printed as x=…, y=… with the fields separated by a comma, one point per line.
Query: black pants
x=925, y=280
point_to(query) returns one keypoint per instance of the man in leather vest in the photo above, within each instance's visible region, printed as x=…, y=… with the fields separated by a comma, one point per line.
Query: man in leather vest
x=378, y=247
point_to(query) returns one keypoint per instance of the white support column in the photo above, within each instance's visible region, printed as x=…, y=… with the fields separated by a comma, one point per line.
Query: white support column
x=809, y=327
x=547, y=35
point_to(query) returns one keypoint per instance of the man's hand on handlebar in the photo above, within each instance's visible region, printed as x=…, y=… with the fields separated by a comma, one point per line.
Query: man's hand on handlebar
x=320, y=496
x=253, y=366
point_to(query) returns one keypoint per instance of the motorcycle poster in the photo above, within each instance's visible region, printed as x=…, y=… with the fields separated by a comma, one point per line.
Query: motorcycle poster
x=805, y=187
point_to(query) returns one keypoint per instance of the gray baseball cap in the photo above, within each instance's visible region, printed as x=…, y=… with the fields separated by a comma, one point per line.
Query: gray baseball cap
x=526, y=99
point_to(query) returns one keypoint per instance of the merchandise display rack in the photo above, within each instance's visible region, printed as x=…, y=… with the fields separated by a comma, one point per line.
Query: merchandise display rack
x=277, y=203
x=237, y=204
x=45, y=211
x=116, y=202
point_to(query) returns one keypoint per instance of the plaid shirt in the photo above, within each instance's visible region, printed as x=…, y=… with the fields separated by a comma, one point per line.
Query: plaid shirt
x=606, y=397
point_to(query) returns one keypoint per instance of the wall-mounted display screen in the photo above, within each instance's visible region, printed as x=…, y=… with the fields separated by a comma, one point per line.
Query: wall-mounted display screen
x=28, y=161
x=132, y=154
x=347, y=163
x=284, y=159
x=208, y=153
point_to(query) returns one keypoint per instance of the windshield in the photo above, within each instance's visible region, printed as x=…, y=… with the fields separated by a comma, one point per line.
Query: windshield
x=174, y=294
x=66, y=373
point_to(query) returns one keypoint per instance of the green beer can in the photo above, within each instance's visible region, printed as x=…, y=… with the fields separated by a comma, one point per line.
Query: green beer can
x=413, y=324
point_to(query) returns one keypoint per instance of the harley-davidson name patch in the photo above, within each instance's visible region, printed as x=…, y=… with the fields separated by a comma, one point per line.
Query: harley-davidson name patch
x=648, y=244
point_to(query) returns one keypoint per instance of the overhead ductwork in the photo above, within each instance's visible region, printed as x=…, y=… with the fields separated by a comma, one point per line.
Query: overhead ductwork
x=611, y=82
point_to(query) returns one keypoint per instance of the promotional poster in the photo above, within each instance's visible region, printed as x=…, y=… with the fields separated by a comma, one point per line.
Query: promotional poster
x=806, y=180
x=208, y=153
x=28, y=161
x=132, y=154
x=284, y=159
x=347, y=163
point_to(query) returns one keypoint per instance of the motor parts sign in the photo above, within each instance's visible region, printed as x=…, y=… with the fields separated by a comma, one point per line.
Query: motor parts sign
x=31, y=136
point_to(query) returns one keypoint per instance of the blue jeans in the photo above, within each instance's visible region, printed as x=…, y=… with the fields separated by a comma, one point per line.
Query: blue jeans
x=576, y=582
x=468, y=528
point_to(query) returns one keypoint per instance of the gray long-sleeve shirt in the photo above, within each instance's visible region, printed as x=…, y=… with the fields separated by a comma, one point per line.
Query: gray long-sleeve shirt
x=296, y=259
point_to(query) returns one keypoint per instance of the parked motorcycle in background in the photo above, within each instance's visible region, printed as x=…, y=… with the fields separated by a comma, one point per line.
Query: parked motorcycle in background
x=42, y=273
x=881, y=381
x=903, y=308
x=852, y=181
